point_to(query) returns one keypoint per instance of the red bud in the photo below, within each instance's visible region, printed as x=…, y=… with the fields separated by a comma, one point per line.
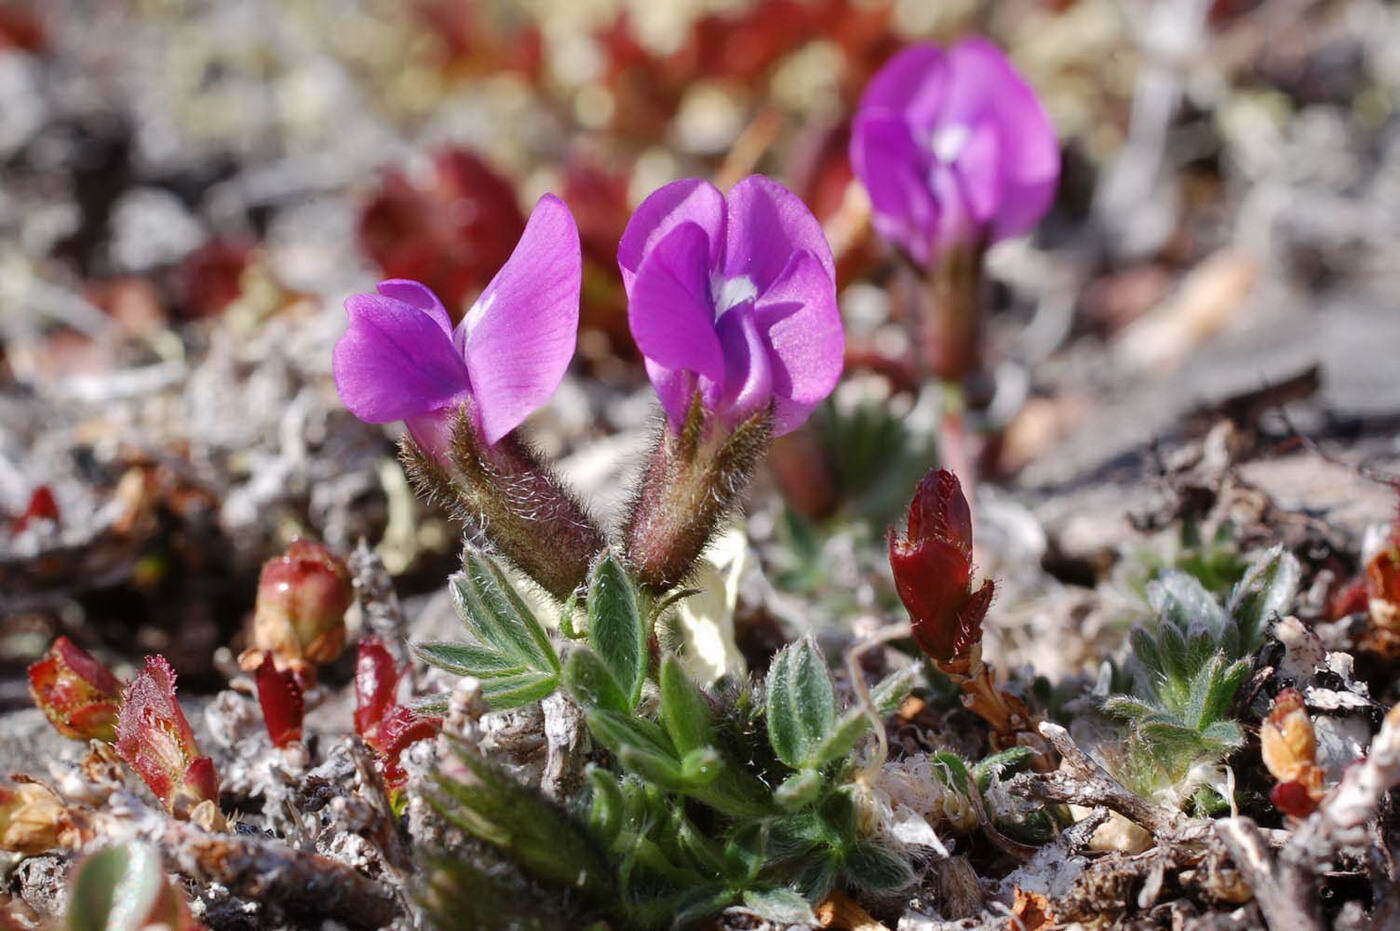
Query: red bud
x=283, y=703
x=300, y=615
x=388, y=727
x=932, y=563
x=77, y=694
x=156, y=740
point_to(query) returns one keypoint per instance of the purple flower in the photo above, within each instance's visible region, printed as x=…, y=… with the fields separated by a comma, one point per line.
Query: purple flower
x=734, y=298
x=401, y=358
x=953, y=147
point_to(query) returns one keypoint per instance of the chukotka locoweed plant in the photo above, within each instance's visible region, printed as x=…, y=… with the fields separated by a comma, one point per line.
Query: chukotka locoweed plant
x=955, y=152
x=463, y=390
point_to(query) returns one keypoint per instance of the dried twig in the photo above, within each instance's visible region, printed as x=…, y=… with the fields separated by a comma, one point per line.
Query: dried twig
x=1285, y=897
x=1081, y=781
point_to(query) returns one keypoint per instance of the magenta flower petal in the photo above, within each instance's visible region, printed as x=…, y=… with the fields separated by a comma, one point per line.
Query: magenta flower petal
x=886, y=158
x=1028, y=155
x=767, y=224
x=975, y=140
x=748, y=383
x=802, y=327
x=913, y=82
x=670, y=312
x=690, y=200
x=395, y=361
x=519, y=336
x=750, y=328
x=418, y=295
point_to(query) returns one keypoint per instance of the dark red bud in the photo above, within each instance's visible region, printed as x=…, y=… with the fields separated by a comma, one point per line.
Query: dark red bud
x=77, y=694
x=1293, y=798
x=156, y=740
x=282, y=701
x=388, y=727
x=932, y=565
x=376, y=682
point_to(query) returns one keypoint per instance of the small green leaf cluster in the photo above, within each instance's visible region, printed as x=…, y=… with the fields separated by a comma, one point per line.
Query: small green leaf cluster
x=708, y=802
x=1188, y=668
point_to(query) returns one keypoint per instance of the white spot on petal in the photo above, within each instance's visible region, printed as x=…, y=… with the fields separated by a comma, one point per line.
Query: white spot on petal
x=477, y=312
x=729, y=292
x=948, y=142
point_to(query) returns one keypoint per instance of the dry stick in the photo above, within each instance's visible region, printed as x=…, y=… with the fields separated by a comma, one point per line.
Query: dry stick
x=1285, y=898
x=1081, y=781
x=303, y=885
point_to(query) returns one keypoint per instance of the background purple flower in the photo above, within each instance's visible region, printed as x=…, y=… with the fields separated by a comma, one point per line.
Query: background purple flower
x=953, y=146
x=401, y=358
x=734, y=297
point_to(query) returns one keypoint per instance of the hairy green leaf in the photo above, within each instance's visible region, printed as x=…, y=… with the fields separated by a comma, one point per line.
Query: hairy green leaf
x=780, y=906
x=617, y=626
x=801, y=710
x=590, y=683
x=539, y=837
x=684, y=709
x=491, y=608
x=465, y=659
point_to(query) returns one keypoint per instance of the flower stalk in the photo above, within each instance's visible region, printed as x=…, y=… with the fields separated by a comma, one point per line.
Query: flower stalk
x=693, y=481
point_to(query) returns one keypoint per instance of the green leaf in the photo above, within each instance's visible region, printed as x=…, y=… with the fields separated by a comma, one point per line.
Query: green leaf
x=876, y=868
x=1007, y=761
x=617, y=731
x=461, y=896
x=801, y=710
x=607, y=808
x=952, y=771
x=566, y=618
x=591, y=684
x=464, y=659
x=522, y=689
x=698, y=905
x=816, y=877
x=495, y=614
x=799, y=790
x=662, y=770
x=702, y=849
x=891, y=691
x=1267, y=591
x=780, y=906
x=701, y=766
x=617, y=627
x=117, y=888
x=684, y=710
x=541, y=839
x=744, y=853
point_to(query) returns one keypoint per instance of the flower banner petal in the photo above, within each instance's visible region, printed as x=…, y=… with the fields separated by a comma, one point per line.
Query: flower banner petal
x=691, y=200
x=520, y=335
x=767, y=223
